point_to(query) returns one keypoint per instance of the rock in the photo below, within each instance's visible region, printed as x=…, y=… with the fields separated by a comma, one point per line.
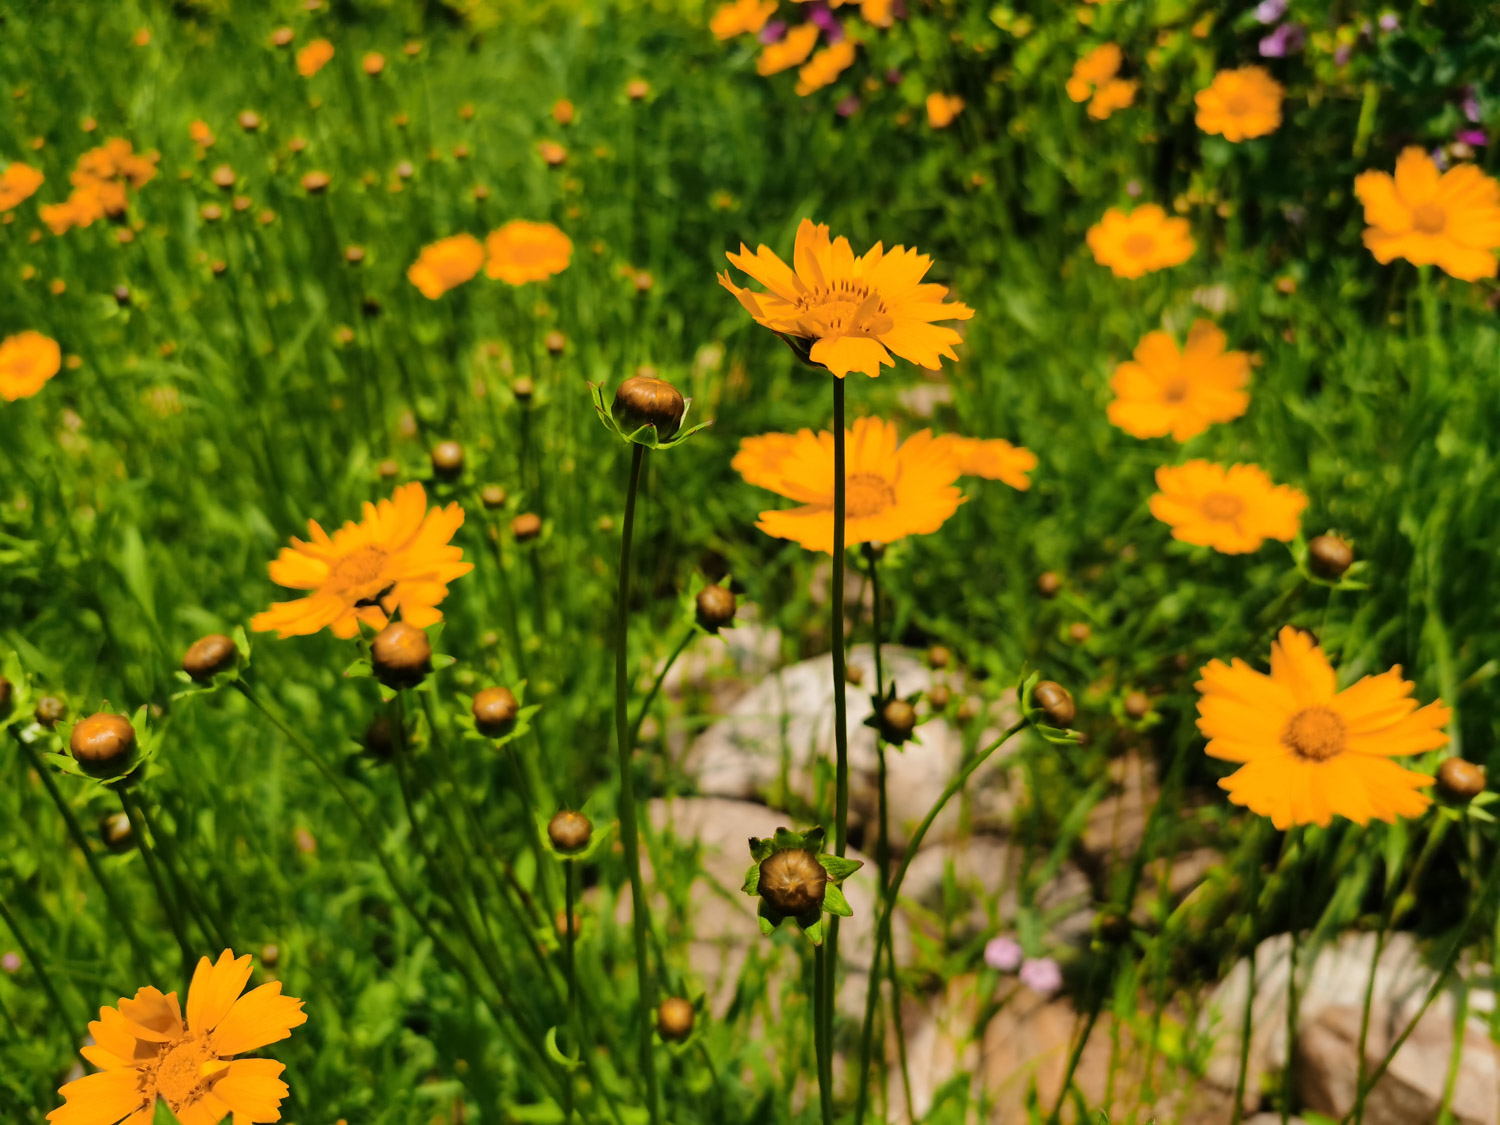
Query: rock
x=1117, y=824
x=727, y=663
x=921, y=400
x=1272, y=1119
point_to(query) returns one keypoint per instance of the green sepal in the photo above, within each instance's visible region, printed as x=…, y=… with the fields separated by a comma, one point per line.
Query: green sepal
x=752, y=880
x=834, y=901
x=218, y=680
x=554, y=1052
x=811, y=924
x=1036, y=717
x=646, y=435
x=114, y=773
x=769, y=917
x=839, y=867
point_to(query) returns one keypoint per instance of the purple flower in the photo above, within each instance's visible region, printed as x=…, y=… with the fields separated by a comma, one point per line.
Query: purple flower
x=893, y=78
x=833, y=30
x=1042, y=975
x=1471, y=103
x=1269, y=11
x=772, y=32
x=1389, y=22
x=1440, y=158
x=1342, y=55
x=1475, y=137
x=1287, y=39
x=11, y=962
x=848, y=107
x=1003, y=954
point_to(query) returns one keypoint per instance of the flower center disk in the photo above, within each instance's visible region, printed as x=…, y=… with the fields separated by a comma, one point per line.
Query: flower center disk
x=360, y=569
x=846, y=308
x=1315, y=734
x=1429, y=218
x=866, y=495
x=186, y=1072
x=1139, y=245
x=1222, y=506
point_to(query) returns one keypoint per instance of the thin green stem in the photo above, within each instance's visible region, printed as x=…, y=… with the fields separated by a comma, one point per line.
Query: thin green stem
x=69, y=1021
x=1288, y=1072
x=840, y=704
x=821, y=1034
x=208, y=925
x=572, y=975
x=148, y=855
x=1247, y=1023
x=635, y=728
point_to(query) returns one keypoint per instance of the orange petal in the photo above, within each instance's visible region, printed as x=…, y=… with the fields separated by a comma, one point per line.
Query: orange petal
x=260, y=1017
x=215, y=988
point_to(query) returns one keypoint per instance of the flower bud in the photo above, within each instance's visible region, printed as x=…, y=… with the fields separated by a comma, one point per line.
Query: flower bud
x=249, y=121
x=716, y=606
x=50, y=711
x=938, y=696
x=7, y=693
x=1137, y=704
x=388, y=469
x=282, y=36
x=492, y=496
x=1055, y=702
x=401, y=655
x=674, y=1019
x=555, y=342
x=270, y=955
x=526, y=526
x=569, y=831
x=223, y=176
x=316, y=182
x=793, y=881
x=1329, y=556
x=854, y=674
x=968, y=709
x=523, y=388
x=1079, y=632
x=115, y=832
x=495, y=710
x=1048, y=584
x=101, y=739
x=122, y=295
x=939, y=657
x=208, y=656
x=1460, y=780
x=898, y=719
x=447, y=459
x=644, y=400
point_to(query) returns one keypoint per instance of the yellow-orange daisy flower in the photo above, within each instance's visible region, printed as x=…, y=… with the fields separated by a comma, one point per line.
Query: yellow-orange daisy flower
x=1181, y=392
x=17, y=183
x=741, y=17
x=852, y=308
x=942, y=109
x=790, y=50
x=201, y=134
x=1094, y=70
x=314, y=57
x=27, y=360
x=373, y=63
x=892, y=489
x=1117, y=93
x=397, y=559
x=1310, y=752
x=146, y=1050
x=1449, y=220
x=1239, y=104
x=825, y=67
x=520, y=252
x=1141, y=241
x=991, y=459
x=446, y=263
x=878, y=13
x=1232, y=510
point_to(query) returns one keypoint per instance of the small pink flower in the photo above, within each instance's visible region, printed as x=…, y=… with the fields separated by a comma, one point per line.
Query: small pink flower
x=11, y=962
x=849, y=106
x=1042, y=975
x=1003, y=954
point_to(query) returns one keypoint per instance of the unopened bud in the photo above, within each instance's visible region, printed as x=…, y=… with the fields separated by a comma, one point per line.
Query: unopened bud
x=401, y=655
x=1329, y=556
x=716, y=607
x=447, y=459
x=793, y=881
x=50, y=711
x=208, y=656
x=1137, y=704
x=495, y=710
x=526, y=526
x=102, y=739
x=1048, y=584
x=492, y=496
x=674, y=1019
x=939, y=657
x=1055, y=702
x=1460, y=780
x=898, y=719
x=644, y=400
x=570, y=831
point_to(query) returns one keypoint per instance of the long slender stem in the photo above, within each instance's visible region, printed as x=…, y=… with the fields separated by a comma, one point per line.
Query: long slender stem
x=840, y=706
x=70, y=1024
x=820, y=1034
x=1247, y=1023
x=1288, y=1073
x=208, y=925
x=635, y=728
x=629, y=832
x=148, y=855
x=572, y=974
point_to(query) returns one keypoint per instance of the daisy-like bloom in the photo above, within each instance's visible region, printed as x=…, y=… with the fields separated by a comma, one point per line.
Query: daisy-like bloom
x=878, y=13
x=115, y=162
x=942, y=109
x=1181, y=392
x=1308, y=751
x=1232, y=510
x=741, y=17
x=17, y=183
x=445, y=264
x=1141, y=241
x=891, y=490
x=520, y=252
x=201, y=134
x=1240, y=104
x=1450, y=220
x=398, y=558
x=792, y=50
x=145, y=1049
x=852, y=309
x=27, y=360
x=1117, y=93
x=825, y=67
x=991, y=459
x=1094, y=70
x=373, y=63
x=314, y=57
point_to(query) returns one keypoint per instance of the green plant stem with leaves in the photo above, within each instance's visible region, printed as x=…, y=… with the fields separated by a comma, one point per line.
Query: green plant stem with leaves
x=840, y=705
x=153, y=870
x=67, y=1019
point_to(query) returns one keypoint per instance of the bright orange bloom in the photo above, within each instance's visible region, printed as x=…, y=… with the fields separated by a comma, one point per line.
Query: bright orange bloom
x=825, y=67
x=1240, y=104
x=1232, y=510
x=942, y=109
x=991, y=459
x=18, y=182
x=373, y=63
x=445, y=264
x=853, y=309
x=791, y=50
x=397, y=559
x=1140, y=241
x=1310, y=752
x=314, y=57
x=115, y=162
x=892, y=490
x=562, y=111
x=552, y=153
x=146, y=1050
x=27, y=360
x=1094, y=70
x=1450, y=220
x=1165, y=390
x=201, y=134
x=741, y=17
x=520, y=252
x=1117, y=93
x=877, y=13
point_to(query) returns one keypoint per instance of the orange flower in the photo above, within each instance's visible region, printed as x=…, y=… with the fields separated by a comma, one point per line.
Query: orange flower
x=741, y=17
x=146, y=1050
x=942, y=109
x=877, y=13
x=1450, y=220
x=1232, y=510
x=397, y=559
x=1240, y=104
x=1308, y=751
x=27, y=360
x=520, y=252
x=1117, y=93
x=18, y=182
x=892, y=490
x=1140, y=241
x=552, y=153
x=447, y=263
x=791, y=50
x=1179, y=392
x=562, y=111
x=853, y=309
x=201, y=134
x=991, y=459
x=1093, y=70
x=373, y=63
x=825, y=67
x=314, y=57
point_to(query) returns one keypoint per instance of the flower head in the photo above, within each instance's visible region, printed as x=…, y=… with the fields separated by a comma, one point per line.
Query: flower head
x=852, y=309
x=1308, y=751
x=1448, y=219
x=1141, y=241
x=1287, y=39
x=1181, y=392
x=794, y=878
x=1117, y=93
x=314, y=57
x=201, y=134
x=1094, y=70
x=446, y=264
x=146, y=1050
x=1003, y=954
x=1042, y=975
x=1239, y=104
x=397, y=559
x=17, y=183
x=942, y=109
x=740, y=17
x=27, y=360
x=520, y=252
x=787, y=52
x=825, y=67
x=992, y=459
x=1232, y=510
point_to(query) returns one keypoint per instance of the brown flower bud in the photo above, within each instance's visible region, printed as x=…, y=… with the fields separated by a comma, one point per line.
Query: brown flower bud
x=495, y=710
x=644, y=400
x=967, y=710
x=406, y=170
x=212, y=212
x=401, y=655
x=793, y=881
x=219, y=266
x=1079, y=632
x=716, y=606
x=447, y=459
x=492, y=496
x=939, y=657
x=938, y=696
x=569, y=831
x=526, y=526
x=7, y=693
x=523, y=388
x=1048, y=584
x=555, y=342
x=1329, y=556
x=1460, y=780
x=388, y=468
x=637, y=88
x=115, y=831
x=282, y=37
x=674, y=1019
x=208, y=656
x=1137, y=704
x=50, y=711
x=101, y=739
x=354, y=254
x=223, y=176
x=898, y=719
x=249, y=121
x=1055, y=702
x=122, y=295
x=270, y=954
x=316, y=182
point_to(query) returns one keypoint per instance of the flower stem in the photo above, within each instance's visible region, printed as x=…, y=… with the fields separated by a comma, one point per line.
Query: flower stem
x=66, y=1018
x=629, y=833
x=148, y=855
x=840, y=709
x=207, y=924
x=820, y=1033
x=570, y=969
x=635, y=728
x=1247, y=1023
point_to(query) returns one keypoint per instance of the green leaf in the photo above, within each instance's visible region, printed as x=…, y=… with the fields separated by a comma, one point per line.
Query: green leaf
x=555, y=1053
